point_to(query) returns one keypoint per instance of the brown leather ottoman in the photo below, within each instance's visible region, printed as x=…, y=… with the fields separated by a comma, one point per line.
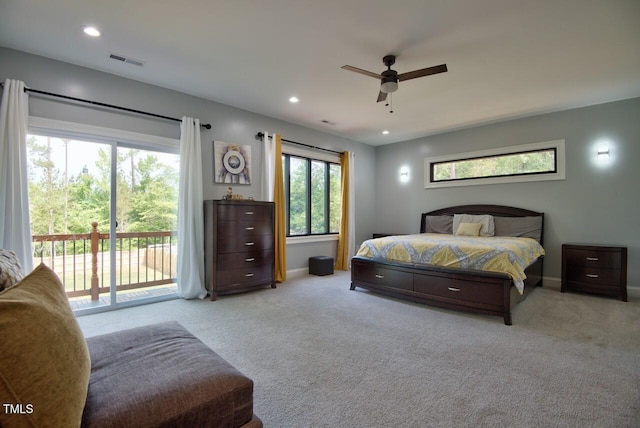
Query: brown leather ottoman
x=160, y=376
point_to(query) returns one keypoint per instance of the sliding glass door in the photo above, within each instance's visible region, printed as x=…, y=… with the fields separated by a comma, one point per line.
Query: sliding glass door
x=146, y=208
x=104, y=216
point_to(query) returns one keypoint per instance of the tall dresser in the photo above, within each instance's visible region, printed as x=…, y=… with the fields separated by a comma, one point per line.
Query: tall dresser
x=238, y=246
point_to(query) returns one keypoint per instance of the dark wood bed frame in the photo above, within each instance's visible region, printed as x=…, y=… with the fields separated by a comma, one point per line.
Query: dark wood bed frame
x=465, y=290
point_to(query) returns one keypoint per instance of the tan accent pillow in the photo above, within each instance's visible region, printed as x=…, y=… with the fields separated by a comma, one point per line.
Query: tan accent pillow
x=469, y=229
x=44, y=360
x=488, y=224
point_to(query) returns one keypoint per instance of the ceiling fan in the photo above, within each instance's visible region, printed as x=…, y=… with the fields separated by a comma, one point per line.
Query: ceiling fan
x=389, y=78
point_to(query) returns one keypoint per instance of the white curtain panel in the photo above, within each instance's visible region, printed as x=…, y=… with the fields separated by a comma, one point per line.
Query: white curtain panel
x=352, y=206
x=15, y=222
x=268, y=167
x=190, y=213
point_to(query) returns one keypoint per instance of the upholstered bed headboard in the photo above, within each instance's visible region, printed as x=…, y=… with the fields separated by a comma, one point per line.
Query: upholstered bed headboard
x=509, y=221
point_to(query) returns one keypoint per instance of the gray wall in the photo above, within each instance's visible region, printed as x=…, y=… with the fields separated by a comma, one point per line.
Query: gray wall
x=229, y=124
x=593, y=205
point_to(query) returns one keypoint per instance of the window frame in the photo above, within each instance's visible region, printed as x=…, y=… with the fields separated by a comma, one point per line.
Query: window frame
x=558, y=174
x=114, y=138
x=309, y=156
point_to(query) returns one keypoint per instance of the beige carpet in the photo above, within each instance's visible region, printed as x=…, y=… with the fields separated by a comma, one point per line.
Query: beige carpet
x=324, y=356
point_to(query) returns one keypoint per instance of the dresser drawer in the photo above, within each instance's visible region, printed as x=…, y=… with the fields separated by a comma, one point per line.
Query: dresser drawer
x=235, y=244
x=590, y=275
x=249, y=259
x=477, y=292
x=244, y=213
x=593, y=258
x=238, y=278
x=384, y=276
x=244, y=228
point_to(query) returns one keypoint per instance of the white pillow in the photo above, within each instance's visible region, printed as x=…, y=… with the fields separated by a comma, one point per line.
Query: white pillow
x=488, y=226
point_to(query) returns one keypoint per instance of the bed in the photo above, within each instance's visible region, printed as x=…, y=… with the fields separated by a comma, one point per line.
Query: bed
x=461, y=285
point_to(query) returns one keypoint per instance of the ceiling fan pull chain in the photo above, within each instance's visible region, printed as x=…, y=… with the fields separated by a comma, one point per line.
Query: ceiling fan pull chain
x=390, y=103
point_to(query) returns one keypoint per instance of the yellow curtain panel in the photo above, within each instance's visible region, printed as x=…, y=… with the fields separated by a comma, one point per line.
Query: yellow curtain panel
x=278, y=198
x=342, y=258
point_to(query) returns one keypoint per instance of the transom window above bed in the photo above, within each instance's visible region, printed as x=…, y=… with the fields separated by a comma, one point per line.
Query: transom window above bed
x=528, y=162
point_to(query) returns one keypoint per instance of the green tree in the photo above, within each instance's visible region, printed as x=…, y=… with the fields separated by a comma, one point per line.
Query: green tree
x=153, y=198
x=47, y=196
x=298, y=196
x=305, y=184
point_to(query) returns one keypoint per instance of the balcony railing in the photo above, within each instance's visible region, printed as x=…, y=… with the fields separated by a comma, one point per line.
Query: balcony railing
x=83, y=261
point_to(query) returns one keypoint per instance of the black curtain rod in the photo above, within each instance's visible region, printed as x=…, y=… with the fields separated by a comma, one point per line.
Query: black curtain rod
x=97, y=103
x=260, y=137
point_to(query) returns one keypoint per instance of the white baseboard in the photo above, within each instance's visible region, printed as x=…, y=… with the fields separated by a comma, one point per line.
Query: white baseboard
x=297, y=273
x=551, y=282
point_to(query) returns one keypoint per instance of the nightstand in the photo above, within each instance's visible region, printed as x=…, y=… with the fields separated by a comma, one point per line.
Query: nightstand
x=595, y=269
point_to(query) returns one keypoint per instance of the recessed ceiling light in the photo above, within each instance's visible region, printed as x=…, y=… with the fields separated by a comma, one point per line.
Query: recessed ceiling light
x=293, y=100
x=385, y=132
x=91, y=31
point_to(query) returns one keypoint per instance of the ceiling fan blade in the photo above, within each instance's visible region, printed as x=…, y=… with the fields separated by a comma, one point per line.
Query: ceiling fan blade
x=382, y=96
x=361, y=71
x=423, y=72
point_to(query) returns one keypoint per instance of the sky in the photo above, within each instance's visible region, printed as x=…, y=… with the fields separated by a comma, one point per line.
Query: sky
x=83, y=153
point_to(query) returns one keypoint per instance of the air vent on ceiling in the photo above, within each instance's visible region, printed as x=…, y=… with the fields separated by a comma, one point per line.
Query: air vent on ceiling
x=125, y=59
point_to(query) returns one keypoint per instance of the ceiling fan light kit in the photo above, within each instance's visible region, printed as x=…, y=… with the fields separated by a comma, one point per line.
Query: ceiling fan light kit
x=389, y=78
x=389, y=83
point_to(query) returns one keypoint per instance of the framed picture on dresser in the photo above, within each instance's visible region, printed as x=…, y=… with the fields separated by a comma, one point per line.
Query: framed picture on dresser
x=232, y=163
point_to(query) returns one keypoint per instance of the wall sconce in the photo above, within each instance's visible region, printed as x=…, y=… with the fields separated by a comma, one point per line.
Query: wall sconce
x=404, y=174
x=603, y=153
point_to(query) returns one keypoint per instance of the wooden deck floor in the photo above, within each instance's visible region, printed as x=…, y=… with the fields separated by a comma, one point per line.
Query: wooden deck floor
x=85, y=302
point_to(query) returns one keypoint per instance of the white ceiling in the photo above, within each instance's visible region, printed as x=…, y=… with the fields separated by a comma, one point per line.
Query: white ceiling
x=506, y=58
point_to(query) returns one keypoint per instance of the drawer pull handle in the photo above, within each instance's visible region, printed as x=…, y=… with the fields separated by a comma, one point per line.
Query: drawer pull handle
x=593, y=259
x=250, y=259
x=248, y=212
x=248, y=274
x=249, y=243
x=249, y=228
x=592, y=275
x=379, y=276
x=453, y=289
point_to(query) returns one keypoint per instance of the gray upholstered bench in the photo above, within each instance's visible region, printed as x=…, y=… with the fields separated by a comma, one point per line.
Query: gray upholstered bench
x=154, y=376
x=162, y=375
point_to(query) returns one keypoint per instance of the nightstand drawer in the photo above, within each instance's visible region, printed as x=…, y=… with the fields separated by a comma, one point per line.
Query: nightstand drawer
x=591, y=258
x=589, y=275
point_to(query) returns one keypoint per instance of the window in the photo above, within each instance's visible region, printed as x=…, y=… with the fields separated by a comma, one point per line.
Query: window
x=312, y=195
x=530, y=162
